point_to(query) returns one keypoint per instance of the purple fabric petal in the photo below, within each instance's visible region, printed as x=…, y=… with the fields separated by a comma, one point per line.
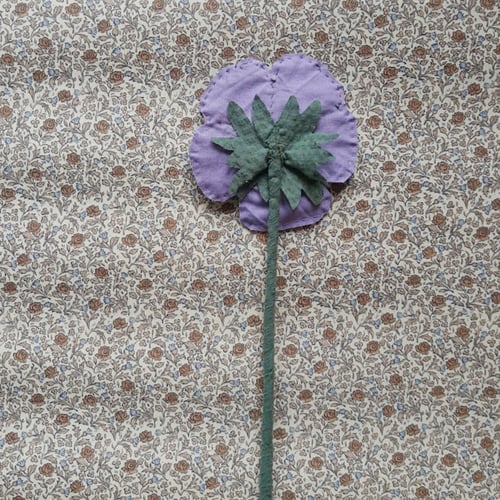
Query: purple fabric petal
x=209, y=162
x=240, y=83
x=253, y=212
x=307, y=80
x=344, y=149
x=296, y=75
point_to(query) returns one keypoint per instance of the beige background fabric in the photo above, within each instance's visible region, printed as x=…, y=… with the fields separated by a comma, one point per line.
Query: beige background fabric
x=131, y=307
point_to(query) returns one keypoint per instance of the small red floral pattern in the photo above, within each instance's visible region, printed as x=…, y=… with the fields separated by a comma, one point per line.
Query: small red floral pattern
x=131, y=307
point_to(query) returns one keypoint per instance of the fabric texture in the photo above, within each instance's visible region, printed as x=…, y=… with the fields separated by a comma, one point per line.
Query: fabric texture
x=131, y=305
x=292, y=75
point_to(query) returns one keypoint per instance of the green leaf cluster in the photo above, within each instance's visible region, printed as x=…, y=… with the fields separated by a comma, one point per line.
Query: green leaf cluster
x=291, y=140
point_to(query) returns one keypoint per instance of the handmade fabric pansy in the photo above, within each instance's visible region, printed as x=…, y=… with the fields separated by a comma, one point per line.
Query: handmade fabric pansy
x=275, y=139
x=296, y=76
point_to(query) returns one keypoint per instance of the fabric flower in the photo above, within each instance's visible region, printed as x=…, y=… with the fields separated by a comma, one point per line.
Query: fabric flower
x=296, y=76
x=274, y=138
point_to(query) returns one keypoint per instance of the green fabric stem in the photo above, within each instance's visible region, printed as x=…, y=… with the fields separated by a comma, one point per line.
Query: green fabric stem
x=266, y=460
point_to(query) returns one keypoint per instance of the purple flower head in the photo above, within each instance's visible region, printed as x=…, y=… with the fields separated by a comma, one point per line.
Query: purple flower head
x=292, y=75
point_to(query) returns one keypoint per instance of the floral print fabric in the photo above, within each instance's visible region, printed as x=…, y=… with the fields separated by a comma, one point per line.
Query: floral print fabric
x=131, y=306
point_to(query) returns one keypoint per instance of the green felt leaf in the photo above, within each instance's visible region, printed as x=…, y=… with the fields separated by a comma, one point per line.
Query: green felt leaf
x=241, y=124
x=227, y=143
x=322, y=138
x=284, y=129
x=313, y=190
x=306, y=159
x=262, y=120
x=303, y=123
x=290, y=113
x=248, y=152
x=234, y=162
x=291, y=187
x=310, y=117
x=248, y=156
x=309, y=142
x=296, y=181
x=263, y=183
x=292, y=125
x=246, y=175
x=244, y=190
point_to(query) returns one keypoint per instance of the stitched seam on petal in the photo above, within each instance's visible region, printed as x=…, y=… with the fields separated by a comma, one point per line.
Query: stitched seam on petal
x=224, y=72
x=322, y=69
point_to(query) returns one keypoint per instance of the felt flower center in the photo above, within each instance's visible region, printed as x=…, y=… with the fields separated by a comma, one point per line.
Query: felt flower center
x=288, y=146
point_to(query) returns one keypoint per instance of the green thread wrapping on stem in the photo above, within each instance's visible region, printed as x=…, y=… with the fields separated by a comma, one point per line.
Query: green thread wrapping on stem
x=266, y=456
